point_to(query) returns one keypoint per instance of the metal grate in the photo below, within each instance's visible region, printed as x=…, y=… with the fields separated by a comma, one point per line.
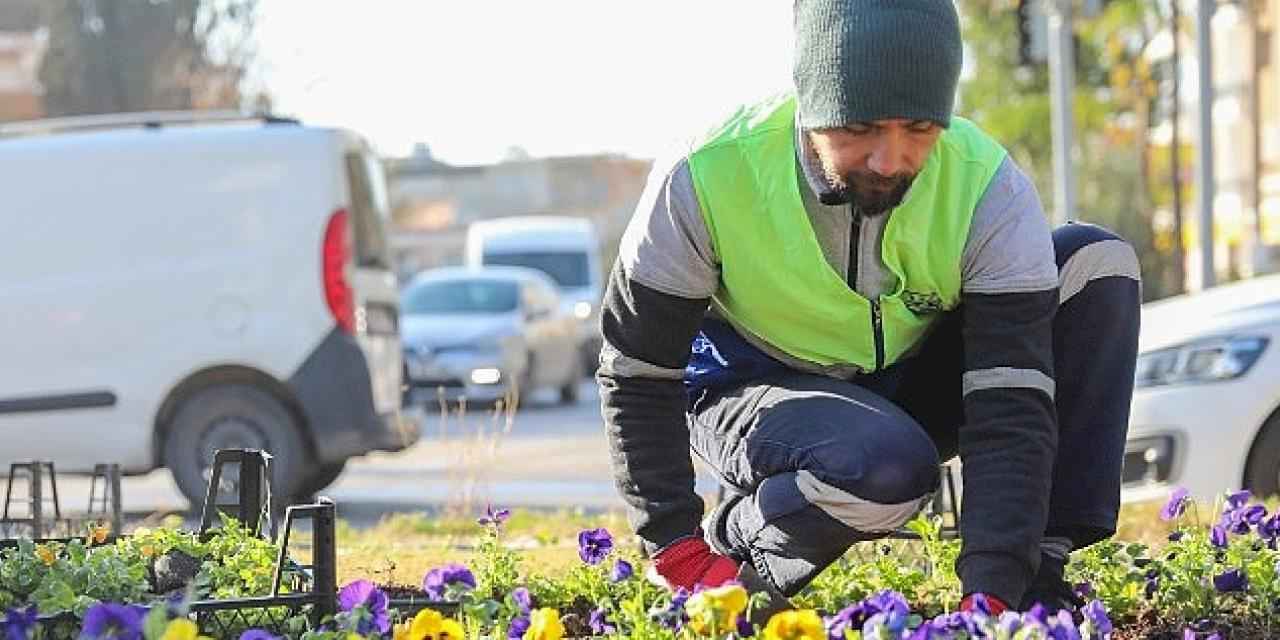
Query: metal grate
x=301, y=595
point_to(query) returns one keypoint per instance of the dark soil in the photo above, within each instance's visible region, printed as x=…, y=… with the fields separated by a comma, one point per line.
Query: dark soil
x=403, y=592
x=1150, y=627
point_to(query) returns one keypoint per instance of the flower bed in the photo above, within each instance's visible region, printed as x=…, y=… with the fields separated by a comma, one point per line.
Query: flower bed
x=229, y=580
x=1213, y=579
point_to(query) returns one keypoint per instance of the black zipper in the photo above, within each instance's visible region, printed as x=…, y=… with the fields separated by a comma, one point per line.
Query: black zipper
x=855, y=239
x=855, y=249
x=877, y=327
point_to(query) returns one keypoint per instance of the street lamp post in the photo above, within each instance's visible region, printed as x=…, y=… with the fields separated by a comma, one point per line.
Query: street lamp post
x=1061, y=80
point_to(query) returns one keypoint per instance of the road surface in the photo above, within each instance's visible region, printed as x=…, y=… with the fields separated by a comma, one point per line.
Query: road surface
x=542, y=456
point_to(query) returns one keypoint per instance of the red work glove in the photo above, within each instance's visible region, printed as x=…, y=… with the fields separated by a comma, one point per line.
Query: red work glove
x=994, y=606
x=691, y=562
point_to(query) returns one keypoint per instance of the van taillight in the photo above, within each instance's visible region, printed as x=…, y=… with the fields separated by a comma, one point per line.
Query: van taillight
x=335, y=256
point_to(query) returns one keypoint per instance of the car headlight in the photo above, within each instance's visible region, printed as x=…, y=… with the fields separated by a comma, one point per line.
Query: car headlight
x=1201, y=361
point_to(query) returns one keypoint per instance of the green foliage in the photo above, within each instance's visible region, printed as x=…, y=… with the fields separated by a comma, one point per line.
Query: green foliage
x=1118, y=177
x=72, y=577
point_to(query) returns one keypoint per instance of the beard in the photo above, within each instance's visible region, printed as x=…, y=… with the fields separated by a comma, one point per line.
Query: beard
x=871, y=193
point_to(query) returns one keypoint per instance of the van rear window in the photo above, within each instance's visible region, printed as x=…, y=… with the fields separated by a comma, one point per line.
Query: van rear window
x=568, y=268
x=369, y=209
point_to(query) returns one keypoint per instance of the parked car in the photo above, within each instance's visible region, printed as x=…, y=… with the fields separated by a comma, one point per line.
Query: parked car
x=566, y=249
x=175, y=283
x=486, y=334
x=1205, y=412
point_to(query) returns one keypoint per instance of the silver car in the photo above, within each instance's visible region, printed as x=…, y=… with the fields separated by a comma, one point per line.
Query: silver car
x=486, y=334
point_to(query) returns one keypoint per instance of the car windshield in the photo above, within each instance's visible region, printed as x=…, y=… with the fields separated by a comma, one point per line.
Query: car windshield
x=567, y=268
x=460, y=296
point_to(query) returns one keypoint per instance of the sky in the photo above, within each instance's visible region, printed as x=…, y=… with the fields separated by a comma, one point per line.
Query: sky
x=473, y=78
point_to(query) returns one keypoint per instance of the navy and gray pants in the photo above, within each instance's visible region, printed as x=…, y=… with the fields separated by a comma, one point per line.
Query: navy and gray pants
x=814, y=464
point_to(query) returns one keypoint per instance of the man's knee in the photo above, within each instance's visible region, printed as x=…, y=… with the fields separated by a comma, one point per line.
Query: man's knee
x=1088, y=254
x=876, y=484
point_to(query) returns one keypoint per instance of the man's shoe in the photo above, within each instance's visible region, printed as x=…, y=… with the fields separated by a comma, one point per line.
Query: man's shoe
x=1049, y=589
x=754, y=583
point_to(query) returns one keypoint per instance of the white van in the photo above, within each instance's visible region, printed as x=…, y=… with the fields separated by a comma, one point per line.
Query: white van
x=565, y=248
x=176, y=283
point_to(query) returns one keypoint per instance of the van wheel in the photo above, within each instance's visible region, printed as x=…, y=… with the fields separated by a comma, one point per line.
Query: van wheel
x=524, y=385
x=233, y=416
x=325, y=475
x=1262, y=471
x=569, y=392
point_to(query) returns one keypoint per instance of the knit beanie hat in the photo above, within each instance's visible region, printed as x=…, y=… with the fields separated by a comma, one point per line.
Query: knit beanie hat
x=865, y=60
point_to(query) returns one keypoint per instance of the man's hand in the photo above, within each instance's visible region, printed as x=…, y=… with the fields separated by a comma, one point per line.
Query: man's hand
x=981, y=602
x=691, y=562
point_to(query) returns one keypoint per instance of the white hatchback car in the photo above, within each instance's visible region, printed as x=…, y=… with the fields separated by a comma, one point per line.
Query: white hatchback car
x=485, y=334
x=1205, y=410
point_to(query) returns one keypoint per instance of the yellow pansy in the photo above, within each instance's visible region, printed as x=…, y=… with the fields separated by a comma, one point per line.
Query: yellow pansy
x=795, y=625
x=147, y=551
x=46, y=555
x=402, y=631
x=430, y=625
x=97, y=534
x=182, y=629
x=544, y=624
x=716, y=609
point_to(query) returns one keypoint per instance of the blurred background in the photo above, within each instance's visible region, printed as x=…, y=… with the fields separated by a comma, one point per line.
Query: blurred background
x=492, y=154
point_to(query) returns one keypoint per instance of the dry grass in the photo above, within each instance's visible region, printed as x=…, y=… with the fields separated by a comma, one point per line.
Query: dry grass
x=404, y=546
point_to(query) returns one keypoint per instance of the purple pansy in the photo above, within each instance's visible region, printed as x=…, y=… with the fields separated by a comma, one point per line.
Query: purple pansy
x=857, y=616
x=980, y=604
x=1253, y=514
x=1149, y=588
x=1036, y=614
x=1176, y=505
x=886, y=624
x=1095, y=612
x=927, y=631
x=1083, y=590
x=673, y=616
x=1234, y=521
x=745, y=628
x=622, y=571
x=1229, y=581
x=594, y=545
x=1218, y=536
x=1238, y=499
x=600, y=624
x=110, y=621
x=523, y=599
x=1008, y=623
x=519, y=625
x=493, y=518
x=1269, y=530
x=363, y=593
x=19, y=622
x=438, y=580
x=1063, y=627
x=850, y=617
x=258, y=634
x=889, y=602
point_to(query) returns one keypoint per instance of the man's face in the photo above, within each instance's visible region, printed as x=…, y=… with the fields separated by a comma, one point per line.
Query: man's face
x=871, y=164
